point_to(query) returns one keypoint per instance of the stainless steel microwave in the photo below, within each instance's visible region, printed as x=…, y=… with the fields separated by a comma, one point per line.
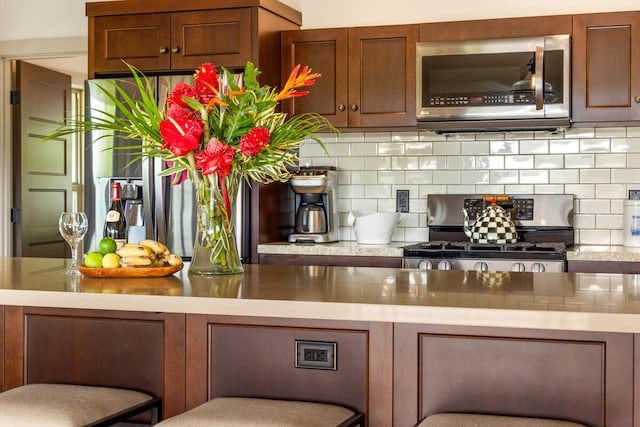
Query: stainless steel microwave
x=494, y=85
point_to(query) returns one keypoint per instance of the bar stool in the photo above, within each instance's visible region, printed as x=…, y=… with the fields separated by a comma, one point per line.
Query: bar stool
x=67, y=405
x=482, y=420
x=243, y=411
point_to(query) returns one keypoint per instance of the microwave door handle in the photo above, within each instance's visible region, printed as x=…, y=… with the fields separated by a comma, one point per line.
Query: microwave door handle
x=539, y=86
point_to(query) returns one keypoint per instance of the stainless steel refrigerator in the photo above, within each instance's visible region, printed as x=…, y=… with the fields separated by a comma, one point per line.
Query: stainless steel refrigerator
x=169, y=211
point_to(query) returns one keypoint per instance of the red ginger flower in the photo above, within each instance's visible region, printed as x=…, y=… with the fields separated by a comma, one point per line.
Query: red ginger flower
x=180, y=90
x=254, y=141
x=306, y=78
x=181, y=135
x=207, y=85
x=216, y=158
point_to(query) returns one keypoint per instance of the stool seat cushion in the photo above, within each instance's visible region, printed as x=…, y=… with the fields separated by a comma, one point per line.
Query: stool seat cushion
x=481, y=420
x=63, y=405
x=247, y=412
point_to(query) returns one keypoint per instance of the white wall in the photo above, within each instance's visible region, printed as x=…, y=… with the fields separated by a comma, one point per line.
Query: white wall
x=35, y=19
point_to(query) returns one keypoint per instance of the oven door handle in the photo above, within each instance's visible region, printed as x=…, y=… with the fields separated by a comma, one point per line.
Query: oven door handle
x=539, y=85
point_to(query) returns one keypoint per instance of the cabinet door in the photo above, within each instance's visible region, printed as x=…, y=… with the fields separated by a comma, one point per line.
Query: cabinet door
x=325, y=51
x=140, y=40
x=606, y=67
x=382, y=76
x=221, y=37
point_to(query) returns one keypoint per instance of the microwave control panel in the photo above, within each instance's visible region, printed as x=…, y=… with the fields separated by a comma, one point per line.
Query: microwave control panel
x=480, y=100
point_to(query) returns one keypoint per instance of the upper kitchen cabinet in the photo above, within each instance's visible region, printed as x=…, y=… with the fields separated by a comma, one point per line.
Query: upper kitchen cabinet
x=606, y=68
x=495, y=28
x=368, y=74
x=169, y=36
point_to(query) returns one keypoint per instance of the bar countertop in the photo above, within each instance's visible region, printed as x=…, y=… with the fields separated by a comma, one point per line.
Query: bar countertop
x=567, y=301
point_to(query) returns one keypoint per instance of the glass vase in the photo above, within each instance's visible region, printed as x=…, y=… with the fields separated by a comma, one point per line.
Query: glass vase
x=215, y=249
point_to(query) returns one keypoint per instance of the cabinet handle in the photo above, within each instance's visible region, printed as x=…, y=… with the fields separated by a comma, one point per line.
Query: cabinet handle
x=354, y=107
x=341, y=107
x=163, y=49
x=175, y=49
x=637, y=99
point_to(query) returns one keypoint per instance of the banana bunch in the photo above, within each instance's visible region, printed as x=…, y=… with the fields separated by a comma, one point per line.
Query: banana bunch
x=147, y=253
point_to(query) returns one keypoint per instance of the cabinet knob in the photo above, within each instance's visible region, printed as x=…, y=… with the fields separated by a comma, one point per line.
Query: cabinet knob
x=341, y=107
x=354, y=107
x=637, y=99
x=175, y=49
x=163, y=49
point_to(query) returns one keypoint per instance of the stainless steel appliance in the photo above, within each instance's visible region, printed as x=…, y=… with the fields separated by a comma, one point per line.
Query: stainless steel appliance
x=315, y=200
x=494, y=85
x=544, y=226
x=169, y=210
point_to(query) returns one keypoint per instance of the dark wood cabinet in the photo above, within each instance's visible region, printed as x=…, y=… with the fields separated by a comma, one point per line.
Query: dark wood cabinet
x=606, y=68
x=368, y=74
x=327, y=260
x=163, y=36
x=585, y=377
x=172, y=41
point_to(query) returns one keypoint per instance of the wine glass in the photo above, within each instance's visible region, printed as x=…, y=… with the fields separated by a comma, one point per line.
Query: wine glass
x=73, y=226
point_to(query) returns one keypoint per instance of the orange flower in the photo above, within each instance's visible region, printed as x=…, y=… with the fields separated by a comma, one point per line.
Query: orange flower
x=305, y=78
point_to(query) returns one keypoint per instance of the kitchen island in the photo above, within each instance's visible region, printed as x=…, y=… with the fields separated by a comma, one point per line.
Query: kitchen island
x=547, y=344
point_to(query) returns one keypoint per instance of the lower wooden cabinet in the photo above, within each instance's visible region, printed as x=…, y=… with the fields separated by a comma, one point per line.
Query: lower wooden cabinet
x=396, y=374
x=583, y=377
x=326, y=260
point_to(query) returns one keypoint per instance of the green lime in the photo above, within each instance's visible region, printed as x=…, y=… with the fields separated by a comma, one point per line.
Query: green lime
x=107, y=246
x=93, y=260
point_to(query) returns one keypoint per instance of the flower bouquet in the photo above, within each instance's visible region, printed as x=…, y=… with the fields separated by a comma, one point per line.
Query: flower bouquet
x=216, y=133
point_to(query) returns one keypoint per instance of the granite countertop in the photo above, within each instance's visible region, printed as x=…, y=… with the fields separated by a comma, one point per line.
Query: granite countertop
x=609, y=253
x=615, y=253
x=343, y=248
x=567, y=301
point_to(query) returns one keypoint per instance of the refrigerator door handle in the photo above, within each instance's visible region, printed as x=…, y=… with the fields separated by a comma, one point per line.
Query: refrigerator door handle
x=160, y=201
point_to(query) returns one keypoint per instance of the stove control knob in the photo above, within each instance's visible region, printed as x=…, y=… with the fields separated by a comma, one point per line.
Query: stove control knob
x=425, y=264
x=537, y=267
x=518, y=267
x=444, y=265
x=480, y=266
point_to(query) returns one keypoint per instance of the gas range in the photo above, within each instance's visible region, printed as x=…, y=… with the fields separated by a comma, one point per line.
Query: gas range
x=543, y=224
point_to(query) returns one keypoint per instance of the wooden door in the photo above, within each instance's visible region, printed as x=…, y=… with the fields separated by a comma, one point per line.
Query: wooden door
x=143, y=41
x=382, y=76
x=221, y=37
x=325, y=51
x=606, y=67
x=42, y=171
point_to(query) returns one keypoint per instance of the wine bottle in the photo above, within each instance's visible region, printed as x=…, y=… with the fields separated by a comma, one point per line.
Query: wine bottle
x=115, y=225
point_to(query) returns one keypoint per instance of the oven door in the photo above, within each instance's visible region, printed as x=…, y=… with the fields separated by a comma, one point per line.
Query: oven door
x=487, y=80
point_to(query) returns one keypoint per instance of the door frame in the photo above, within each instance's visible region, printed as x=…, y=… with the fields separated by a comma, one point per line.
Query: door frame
x=21, y=50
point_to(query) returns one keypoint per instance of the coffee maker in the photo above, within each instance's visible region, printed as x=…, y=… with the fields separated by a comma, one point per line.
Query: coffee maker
x=316, y=203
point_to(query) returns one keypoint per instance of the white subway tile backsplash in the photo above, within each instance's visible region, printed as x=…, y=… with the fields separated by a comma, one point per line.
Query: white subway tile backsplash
x=595, y=176
x=548, y=161
x=611, y=160
x=503, y=147
x=504, y=177
x=534, y=176
x=518, y=162
x=564, y=146
x=533, y=146
x=474, y=148
x=598, y=166
x=579, y=161
x=446, y=148
x=594, y=145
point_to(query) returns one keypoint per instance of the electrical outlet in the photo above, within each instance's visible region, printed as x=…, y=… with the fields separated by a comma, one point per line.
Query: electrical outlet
x=634, y=194
x=316, y=355
x=402, y=200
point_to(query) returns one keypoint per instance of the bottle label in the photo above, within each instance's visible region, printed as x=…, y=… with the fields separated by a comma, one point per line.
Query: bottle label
x=113, y=216
x=120, y=243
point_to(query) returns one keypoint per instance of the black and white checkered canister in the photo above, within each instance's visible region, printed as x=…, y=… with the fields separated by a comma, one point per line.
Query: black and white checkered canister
x=493, y=226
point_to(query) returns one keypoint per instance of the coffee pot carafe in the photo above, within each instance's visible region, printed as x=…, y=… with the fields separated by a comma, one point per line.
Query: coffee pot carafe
x=315, y=200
